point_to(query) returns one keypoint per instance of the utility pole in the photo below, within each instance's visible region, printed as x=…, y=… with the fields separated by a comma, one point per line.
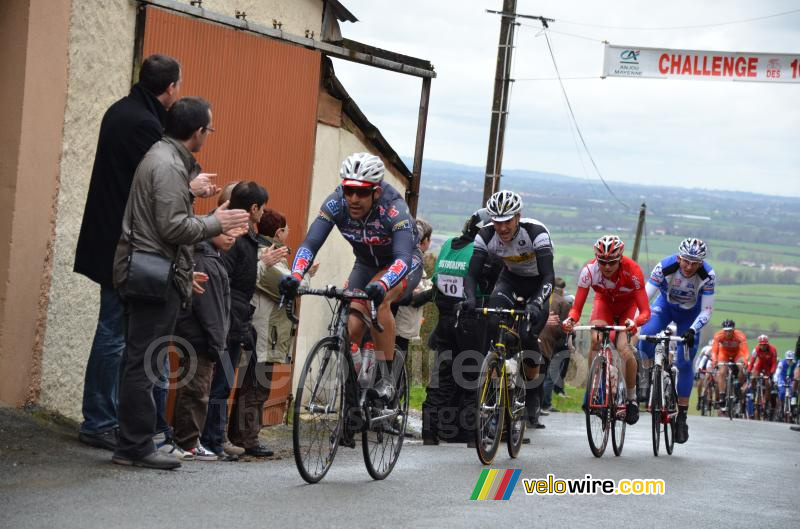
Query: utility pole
x=502, y=85
x=639, y=230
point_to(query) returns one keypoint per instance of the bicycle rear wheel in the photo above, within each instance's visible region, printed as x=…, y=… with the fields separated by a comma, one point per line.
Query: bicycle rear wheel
x=490, y=408
x=515, y=411
x=319, y=410
x=382, y=440
x=655, y=408
x=598, y=420
x=619, y=416
x=671, y=405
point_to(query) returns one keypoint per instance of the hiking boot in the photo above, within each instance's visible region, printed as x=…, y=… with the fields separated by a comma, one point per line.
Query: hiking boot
x=681, y=429
x=230, y=448
x=156, y=460
x=106, y=440
x=632, y=412
x=200, y=453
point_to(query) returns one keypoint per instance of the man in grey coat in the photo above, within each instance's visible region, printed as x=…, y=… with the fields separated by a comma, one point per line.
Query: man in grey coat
x=159, y=219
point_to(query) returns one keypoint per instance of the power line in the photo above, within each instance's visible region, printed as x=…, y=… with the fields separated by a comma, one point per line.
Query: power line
x=577, y=128
x=695, y=26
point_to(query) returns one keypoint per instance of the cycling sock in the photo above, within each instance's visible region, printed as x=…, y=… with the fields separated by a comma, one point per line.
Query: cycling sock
x=631, y=394
x=683, y=409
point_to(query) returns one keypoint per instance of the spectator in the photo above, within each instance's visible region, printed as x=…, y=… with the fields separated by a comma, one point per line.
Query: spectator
x=159, y=220
x=241, y=264
x=408, y=319
x=204, y=327
x=553, y=343
x=129, y=128
x=274, y=335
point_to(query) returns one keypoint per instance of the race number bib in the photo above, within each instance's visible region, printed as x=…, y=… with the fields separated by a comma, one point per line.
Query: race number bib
x=452, y=286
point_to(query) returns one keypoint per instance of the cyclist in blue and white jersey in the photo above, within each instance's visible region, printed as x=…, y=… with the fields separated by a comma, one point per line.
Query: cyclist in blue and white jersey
x=373, y=217
x=784, y=375
x=684, y=283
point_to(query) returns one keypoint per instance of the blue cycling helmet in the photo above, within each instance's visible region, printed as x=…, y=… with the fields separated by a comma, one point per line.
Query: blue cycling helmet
x=692, y=250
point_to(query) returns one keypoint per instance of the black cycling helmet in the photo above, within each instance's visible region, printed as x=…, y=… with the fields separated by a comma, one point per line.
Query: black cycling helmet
x=728, y=325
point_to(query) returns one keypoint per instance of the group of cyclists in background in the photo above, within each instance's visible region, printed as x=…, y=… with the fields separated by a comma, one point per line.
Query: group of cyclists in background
x=678, y=294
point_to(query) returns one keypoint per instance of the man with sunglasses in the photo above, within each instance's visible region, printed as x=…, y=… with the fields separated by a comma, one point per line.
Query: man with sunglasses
x=618, y=283
x=684, y=283
x=373, y=217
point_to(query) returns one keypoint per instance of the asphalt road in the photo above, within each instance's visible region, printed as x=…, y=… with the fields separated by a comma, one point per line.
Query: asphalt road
x=729, y=474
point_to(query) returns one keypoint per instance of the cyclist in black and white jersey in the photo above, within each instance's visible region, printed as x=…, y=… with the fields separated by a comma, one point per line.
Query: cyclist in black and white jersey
x=525, y=248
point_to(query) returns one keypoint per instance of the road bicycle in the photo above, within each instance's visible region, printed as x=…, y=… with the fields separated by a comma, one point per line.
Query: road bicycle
x=332, y=405
x=762, y=407
x=604, y=402
x=709, y=387
x=501, y=387
x=663, y=402
x=732, y=397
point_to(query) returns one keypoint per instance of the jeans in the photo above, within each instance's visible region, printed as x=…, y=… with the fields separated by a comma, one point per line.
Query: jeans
x=102, y=368
x=149, y=331
x=216, y=425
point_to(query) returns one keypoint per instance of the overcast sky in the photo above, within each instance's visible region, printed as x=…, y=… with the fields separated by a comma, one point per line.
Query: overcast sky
x=718, y=135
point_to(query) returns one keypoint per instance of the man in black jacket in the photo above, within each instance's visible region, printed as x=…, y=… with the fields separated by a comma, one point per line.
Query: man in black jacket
x=129, y=128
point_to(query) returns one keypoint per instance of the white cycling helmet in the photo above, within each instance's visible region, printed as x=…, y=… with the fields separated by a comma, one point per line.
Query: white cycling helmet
x=692, y=250
x=503, y=205
x=362, y=169
x=789, y=355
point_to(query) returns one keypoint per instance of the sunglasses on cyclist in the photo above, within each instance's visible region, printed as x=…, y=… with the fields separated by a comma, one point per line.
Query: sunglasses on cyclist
x=607, y=262
x=361, y=192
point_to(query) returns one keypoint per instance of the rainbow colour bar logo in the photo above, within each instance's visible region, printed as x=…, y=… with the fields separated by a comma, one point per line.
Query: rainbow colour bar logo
x=495, y=484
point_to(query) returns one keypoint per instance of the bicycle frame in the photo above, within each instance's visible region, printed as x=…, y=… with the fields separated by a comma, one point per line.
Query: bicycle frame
x=607, y=352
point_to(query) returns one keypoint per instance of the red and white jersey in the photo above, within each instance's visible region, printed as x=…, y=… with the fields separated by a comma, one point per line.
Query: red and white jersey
x=624, y=288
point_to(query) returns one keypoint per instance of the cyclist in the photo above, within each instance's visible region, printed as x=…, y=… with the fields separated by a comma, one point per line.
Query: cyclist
x=684, y=283
x=763, y=361
x=730, y=345
x=784, y=375
x=525, y=248
x=373, y=217
x=619, y=289
x=702, y=364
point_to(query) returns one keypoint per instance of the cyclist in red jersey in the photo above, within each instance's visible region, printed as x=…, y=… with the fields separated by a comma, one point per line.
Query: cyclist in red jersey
x=764, y=361
x=618, y=284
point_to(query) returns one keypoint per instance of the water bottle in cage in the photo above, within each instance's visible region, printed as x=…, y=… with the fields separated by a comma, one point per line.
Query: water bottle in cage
x=355, y=352
x=614, y=376
x=367, y=374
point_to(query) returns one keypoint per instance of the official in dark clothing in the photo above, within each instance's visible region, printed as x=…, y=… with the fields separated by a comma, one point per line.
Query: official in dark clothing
x=129, y=128
x=241, y=262
x=553, y=344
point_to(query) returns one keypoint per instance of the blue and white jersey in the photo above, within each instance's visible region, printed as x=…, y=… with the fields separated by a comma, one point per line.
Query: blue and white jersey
x=680, y=291
x=683, y=294
x=785, y=372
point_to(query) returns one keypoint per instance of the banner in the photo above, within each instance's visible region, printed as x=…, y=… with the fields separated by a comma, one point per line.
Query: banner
x=658, y=63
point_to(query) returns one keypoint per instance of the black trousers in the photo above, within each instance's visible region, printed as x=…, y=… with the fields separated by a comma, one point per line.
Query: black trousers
x=149, y=331
x=448, y=412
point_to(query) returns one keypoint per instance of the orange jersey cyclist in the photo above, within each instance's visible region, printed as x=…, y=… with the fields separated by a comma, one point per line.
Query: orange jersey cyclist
x=619, y=292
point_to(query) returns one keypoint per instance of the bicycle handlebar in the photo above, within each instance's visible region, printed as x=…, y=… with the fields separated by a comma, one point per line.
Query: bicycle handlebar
x=655, y=338
x=342, y=294
x=599, y=328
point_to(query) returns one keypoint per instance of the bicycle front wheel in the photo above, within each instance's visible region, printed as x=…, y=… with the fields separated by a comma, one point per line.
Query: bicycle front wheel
x=597, y=417
x=382, y=440
x=729, y=397
x=656, y=408
x=618, y=420
x=671, y=413
x=319, y=410
x=490, y=408
x=516, y=411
